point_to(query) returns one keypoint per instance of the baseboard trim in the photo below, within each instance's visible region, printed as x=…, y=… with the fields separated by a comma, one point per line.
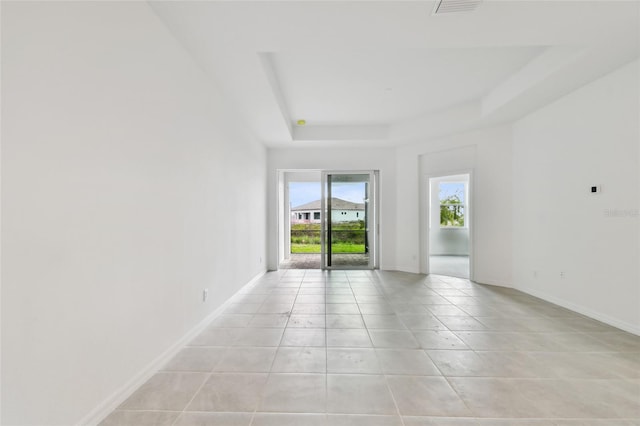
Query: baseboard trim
x=412, y=269
x=622, y=325
x=99, y=413
x=491, y=282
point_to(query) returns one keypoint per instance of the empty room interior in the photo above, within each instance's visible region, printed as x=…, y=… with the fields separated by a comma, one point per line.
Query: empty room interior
x=470, y=246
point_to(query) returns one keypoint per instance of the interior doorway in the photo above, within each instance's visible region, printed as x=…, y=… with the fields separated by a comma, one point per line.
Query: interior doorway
x=328, y=219
x=449, y=225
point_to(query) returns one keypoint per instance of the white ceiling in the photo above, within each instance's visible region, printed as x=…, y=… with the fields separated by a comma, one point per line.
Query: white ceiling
x=386, y=87
x=387, y=73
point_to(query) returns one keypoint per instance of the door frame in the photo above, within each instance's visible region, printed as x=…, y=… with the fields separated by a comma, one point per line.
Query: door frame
x=283, y=215
x=425, y=215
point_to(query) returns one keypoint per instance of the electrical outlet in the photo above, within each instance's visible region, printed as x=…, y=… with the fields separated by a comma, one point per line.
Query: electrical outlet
x=562, y=274
x=205, y=294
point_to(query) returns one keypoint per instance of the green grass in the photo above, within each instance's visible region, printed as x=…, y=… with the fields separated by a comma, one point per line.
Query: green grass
x=336, y=248
x=348, y=237
x=356, y=224
x=305, y=248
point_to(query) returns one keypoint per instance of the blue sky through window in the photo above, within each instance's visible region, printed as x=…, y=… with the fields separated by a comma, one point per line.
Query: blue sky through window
x=306, y=192
x=447, y=189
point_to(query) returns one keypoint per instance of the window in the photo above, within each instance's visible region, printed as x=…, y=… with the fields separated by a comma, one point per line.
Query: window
x=316, y=215
x=452, y=204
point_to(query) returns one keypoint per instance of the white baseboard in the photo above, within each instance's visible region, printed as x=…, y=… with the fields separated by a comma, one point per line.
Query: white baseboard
x=492, y=282
x=412, y=269
x=119, y=396
x=622, y=325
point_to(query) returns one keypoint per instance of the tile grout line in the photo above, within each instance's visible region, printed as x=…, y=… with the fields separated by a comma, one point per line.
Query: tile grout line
x=211, y=372
x=326, y=356
x=386, y=379
x=269, y=374
x=449, y=379
x=204, y=382
x=326, y=352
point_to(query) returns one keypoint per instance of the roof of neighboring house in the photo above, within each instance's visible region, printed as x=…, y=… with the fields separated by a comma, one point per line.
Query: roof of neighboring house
x=336, y=204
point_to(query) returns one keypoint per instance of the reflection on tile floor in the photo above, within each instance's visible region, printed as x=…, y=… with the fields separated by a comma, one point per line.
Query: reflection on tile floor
x=310, y=347
x=453, y=266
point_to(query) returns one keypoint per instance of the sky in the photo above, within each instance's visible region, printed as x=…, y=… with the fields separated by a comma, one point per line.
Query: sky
x=451, y=188
x=306, y=192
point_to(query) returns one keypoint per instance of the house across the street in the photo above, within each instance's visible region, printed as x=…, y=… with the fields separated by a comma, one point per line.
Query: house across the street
x=341, y=211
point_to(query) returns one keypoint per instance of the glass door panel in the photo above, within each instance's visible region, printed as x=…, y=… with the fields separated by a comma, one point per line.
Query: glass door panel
x=348, y=224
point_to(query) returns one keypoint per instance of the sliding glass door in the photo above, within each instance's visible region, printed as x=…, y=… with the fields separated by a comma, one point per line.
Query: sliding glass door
x=349, y=220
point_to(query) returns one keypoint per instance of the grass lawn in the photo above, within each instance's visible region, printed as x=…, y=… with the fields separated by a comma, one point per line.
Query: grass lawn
x=336, y=248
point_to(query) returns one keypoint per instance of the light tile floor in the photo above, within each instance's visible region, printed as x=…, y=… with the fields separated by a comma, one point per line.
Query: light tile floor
x=314, y=260
x=453, y=266
x=307, y=347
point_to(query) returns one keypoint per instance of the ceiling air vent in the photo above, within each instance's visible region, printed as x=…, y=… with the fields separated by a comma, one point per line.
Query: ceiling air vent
x=445, y=7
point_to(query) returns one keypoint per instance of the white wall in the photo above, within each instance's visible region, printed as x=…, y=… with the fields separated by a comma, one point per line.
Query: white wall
x=346, y=215
x=589, y=137
x=488, y=154
x=447, y=241
x=382, y=159
x=120, y=164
